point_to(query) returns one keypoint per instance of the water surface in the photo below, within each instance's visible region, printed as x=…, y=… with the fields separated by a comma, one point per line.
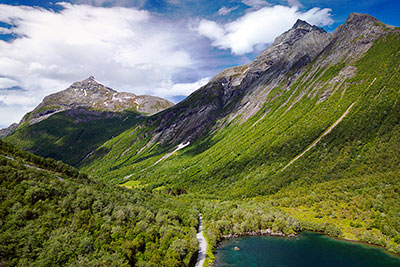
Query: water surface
x=308, y=249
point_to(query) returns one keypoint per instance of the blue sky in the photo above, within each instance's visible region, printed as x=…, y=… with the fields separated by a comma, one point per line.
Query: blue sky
x=167, y=48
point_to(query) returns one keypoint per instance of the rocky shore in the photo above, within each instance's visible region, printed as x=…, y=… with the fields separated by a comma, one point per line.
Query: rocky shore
x=265, y=232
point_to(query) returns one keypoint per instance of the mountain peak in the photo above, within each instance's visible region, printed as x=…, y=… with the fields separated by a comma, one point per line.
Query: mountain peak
x=355, y=18
x=357, y=23
x=90, y=79
x=359, y=32
x=304, y=25
x=91, y=94
x=299, y=30
x=90, y=86
x=300, y=24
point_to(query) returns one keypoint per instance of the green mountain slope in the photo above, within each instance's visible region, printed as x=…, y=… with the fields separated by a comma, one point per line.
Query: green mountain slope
x=246, y=153
x=319, y=139
x=72, y=135
x=52, y=215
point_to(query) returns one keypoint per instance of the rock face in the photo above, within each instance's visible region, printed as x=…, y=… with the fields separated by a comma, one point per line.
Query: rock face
x=240, y=92
x=7, y=131
x=93, y=95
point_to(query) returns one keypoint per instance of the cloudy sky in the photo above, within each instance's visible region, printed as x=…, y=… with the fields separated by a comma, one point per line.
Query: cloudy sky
x=167, y=48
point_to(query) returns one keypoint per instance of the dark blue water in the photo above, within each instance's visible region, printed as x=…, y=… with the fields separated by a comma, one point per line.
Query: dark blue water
x=308, y=249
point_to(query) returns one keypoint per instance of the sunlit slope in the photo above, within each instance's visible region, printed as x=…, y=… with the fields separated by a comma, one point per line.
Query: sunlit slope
x=248, y=158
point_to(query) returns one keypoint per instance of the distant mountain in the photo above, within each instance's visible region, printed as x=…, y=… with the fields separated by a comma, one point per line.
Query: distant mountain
x=91, y=94
x=70, y=124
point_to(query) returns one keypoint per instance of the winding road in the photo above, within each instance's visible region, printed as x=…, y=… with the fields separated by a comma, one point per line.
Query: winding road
x=202, y=244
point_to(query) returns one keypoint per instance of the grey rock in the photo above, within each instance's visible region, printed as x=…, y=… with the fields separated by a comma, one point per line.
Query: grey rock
x=91, y=94
x=7, y=131
x=232, y=89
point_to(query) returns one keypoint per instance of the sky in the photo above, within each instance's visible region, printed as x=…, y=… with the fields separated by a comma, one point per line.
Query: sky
x=166, y=48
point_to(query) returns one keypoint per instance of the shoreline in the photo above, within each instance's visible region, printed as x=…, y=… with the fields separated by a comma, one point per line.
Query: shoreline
x=266, y=232
x=269, y=232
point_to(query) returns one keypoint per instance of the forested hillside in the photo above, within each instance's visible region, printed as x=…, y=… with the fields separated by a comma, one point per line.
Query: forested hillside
x=52, y=215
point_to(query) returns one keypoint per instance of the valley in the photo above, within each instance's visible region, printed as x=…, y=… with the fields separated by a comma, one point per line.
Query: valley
x=304, y=138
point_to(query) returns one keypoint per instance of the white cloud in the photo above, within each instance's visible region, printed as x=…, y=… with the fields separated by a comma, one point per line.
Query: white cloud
x=225, y=11
x=256, y=4
x=125, y=48
x=13, y=106
x=16, y=99
x=124, y=3
x=7, y=83
x=170, y=89
x=294, y=3
x=259, y=27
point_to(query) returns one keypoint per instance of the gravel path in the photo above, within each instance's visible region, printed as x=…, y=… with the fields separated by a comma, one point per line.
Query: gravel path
x=202, y=244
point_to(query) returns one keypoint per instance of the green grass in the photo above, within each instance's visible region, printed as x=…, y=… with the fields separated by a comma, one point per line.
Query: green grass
x=132, y=184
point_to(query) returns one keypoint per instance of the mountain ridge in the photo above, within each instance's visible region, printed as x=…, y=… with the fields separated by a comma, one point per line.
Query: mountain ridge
x=91, y=94
x=255, y=95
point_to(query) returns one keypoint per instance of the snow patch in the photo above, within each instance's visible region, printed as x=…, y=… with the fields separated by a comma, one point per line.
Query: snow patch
x=128, y=176
x=179, y=147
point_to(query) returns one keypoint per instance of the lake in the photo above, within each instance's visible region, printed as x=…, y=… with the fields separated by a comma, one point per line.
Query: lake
x=307, y=249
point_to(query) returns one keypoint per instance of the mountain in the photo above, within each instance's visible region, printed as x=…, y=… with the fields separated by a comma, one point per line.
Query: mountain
x=7, y=131
x=305, y=137
x=70, y=124
x=93, y=95
x=311, y=125
x=306, y=75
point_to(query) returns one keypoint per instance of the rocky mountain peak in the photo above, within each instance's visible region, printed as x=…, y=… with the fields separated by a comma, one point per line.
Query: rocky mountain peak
x=300, y=23
x=299, y=30
x=90, y=85
x=353, y=38
x=91, y=94
x=303, y=25
x=362, y=25
x=357, y=18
